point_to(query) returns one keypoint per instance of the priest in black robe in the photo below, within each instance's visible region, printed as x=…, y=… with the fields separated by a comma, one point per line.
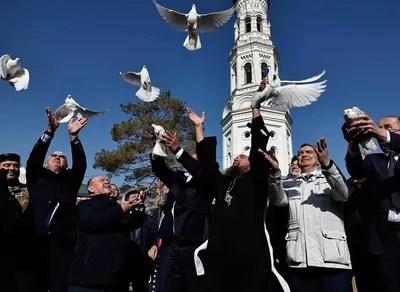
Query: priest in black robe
x=238, y=256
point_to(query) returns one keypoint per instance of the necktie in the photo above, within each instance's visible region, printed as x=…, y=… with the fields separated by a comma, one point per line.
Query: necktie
x=395, y=196
x=308, y=176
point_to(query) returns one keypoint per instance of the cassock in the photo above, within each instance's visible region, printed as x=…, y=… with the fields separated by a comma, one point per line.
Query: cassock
x=238, y=256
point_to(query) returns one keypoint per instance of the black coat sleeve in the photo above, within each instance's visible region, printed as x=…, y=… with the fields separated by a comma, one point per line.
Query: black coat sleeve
x=358, y=167
x=35, y=162
x=394, y=144
x=93, y=220
x=259, y=140
x=190, y=164
x=162, y=171
x=79, y=165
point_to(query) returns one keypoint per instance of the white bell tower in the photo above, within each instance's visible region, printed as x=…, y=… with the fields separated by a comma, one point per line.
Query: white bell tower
x=252, y=52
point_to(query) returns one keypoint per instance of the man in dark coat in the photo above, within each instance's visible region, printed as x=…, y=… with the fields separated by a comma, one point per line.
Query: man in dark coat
x=103, y=259
x=382, y=200
x=183, y=228
x=238, y=251
x=53, y=190
x=17, y=229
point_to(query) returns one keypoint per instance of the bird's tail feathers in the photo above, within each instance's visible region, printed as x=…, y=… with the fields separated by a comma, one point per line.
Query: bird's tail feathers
x=155, y=93
x=148, y=96
x=369, y=145
x=192, y=43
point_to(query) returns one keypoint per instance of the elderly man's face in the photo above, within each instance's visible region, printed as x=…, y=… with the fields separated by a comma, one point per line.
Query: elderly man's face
x=306, y=157
x=13, y=169
x=57, y=161
x=242, y=161
x=99, y=185
x=392, y=125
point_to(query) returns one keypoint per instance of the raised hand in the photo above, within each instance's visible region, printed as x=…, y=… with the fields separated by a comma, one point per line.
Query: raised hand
x=170, y=140
x=322, y=152
x=273, y=162
x=195, y=118
x=75, y=126
x=52, y=121
x=367, y=127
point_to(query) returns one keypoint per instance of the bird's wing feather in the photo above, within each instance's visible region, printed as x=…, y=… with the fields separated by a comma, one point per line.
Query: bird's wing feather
x=296, y=95
x=209, y=22
x=176, y=19
x=3, y=69
x=87, y=113
x=312, y=79
x=20, y=80
x=132, y=77
x=63, y=115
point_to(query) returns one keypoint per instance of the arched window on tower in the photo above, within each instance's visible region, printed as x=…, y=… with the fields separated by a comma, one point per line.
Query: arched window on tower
x=259, y=23
x=247, y=23
x=263, y=67
x=247, y=73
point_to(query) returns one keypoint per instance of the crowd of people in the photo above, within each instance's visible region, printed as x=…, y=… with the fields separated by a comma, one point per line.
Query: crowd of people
x=246, y=228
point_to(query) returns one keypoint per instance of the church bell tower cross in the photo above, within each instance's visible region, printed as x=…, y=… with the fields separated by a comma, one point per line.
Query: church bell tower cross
x=253, y=51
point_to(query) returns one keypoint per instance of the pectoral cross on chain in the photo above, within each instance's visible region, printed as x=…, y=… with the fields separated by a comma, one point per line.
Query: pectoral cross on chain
x=228, y=198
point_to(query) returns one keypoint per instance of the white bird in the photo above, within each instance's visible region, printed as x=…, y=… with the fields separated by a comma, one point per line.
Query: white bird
x=159, y=149
x=194, y=23
x=351, y=115
x=283, y=95
x=12, y=72
x=71, y=109
x=147, y=92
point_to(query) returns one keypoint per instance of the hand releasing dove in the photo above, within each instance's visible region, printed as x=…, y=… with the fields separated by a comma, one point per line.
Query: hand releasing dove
x=283, y=95
x=159, y=148
x=71, y=109
x=351, y=115
x=12, y=72
x=194, y=23
x=146, y=92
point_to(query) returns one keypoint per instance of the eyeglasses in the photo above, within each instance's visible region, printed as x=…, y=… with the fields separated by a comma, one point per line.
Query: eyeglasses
x=58, y=156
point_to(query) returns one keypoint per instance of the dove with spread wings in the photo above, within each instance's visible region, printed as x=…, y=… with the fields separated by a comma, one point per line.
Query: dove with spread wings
x=12, y=72
x=71, y=109
x=283, y=95
x=194, y=23
x=147, y=92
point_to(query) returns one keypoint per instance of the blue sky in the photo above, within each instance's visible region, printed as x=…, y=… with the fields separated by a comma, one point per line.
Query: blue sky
x=79, y=47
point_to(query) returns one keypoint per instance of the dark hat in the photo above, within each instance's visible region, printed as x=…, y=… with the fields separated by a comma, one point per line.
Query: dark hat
x=10, y=157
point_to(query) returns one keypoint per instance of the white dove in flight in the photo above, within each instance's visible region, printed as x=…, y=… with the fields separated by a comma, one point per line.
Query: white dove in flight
x=71, y=109
x=147, y=92
x=283, y=95
x=12, y=72
x=351, y=115
x=159, y=149
x=194, y=23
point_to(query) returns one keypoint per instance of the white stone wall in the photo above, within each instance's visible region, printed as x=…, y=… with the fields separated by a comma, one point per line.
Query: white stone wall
x=254, y=47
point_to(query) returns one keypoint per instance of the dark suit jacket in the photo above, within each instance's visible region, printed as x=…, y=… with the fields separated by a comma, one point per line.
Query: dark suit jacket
x=103, y=254
x=376, y=193
x=192, y=206
x=47, y=188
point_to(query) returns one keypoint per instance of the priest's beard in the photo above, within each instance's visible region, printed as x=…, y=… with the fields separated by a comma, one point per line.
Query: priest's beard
x=235, y=170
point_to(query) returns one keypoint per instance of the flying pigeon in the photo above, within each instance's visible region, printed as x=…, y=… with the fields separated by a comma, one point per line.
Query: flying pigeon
x=159, y=149
x=12, y=72
x=283, y=95
x=351, y=115
x=146, y=92
x=194, y=23
x=71, y=109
